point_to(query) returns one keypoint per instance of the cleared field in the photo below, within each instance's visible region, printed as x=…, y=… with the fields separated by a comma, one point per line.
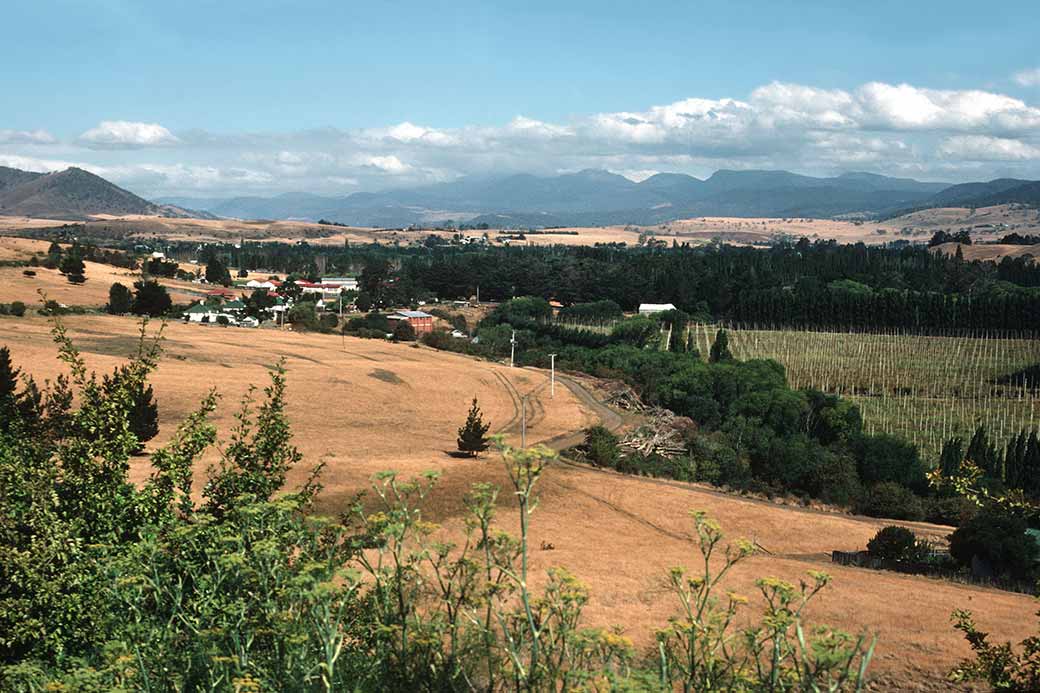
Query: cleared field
x=924, y=388
x=362, y=406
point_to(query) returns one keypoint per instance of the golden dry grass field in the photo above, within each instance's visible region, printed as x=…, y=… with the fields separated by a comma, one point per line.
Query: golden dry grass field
x=16, y=286
x=362, y=406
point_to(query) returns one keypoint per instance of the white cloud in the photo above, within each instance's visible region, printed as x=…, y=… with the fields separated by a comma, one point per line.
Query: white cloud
x=31, y=163
x=124, y=134
x=26, y=137
x=983, y=148
x=886, y=128
x=388, y=164
x=1028, y=78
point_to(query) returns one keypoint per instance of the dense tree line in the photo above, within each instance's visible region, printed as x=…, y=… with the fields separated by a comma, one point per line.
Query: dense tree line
x=806, y=283
x=752, y=430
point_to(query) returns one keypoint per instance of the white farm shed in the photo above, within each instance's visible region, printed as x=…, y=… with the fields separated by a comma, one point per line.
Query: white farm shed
x=651, y=308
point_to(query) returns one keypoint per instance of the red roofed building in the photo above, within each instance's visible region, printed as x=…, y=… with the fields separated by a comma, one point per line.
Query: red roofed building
x=421, y=322
x=221, y=293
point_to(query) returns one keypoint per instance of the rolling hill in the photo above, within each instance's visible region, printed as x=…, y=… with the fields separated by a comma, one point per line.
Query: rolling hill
x=74, y=194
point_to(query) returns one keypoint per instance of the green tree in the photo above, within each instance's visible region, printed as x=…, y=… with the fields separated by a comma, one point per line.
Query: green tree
x=72, y=262
x=120, y=299
x=150, y=298
x=473, y=438
x=8, y=388
x=720, y=348
x=217, y=272
x=303, y=315
x=144, y=415
x=998, y=538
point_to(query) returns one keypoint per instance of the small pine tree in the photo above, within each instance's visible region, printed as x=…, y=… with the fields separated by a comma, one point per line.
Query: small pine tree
x=8, y=374
x=720, y=348
x=9, y=397
x=473, y=438
x=144, y=417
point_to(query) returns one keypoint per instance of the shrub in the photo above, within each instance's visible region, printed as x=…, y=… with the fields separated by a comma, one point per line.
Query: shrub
x=327, y=322
x=894, y=543
x=889, y=499
x=887, y=458
x=17, y=309
x=952, y=510
x=403, y=331
x=601, y=447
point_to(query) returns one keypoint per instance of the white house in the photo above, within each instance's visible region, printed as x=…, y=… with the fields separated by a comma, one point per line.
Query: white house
x=255, y=284
x=651, y=308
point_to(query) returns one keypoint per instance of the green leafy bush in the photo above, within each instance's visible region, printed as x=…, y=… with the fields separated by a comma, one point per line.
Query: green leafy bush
x=889, y=499
x=894, y=543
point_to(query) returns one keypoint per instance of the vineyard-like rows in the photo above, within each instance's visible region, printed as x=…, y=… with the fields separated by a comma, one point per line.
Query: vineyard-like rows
x=924, y=388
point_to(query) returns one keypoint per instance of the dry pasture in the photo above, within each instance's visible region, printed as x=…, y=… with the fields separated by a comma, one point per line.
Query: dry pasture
x=986, y=223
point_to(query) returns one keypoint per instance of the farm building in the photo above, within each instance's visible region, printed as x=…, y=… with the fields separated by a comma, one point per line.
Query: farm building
x=420, y=321
x=344, y=283
x=651, y=308
x=323, y=289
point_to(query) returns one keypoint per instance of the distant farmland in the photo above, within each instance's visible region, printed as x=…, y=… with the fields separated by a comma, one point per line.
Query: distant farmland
x=924, y=388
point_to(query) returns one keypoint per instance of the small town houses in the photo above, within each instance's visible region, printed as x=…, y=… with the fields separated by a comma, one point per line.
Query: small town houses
x=228, y=313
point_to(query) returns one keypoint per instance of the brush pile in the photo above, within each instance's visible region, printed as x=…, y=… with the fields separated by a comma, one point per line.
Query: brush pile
x=624, y=397
x=663, y=434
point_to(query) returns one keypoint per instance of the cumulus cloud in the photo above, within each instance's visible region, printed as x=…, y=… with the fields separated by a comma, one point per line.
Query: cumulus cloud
x=1028, y=78
x=899, y=129
x=983, y=148
x=124, y=134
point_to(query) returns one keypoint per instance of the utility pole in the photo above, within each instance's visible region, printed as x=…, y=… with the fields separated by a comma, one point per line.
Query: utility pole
x=512, y=348
x=552, y=377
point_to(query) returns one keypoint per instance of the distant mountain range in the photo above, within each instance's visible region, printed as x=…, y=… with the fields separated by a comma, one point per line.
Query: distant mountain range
x=593, y=198
x=73, y=194
x=586, y=198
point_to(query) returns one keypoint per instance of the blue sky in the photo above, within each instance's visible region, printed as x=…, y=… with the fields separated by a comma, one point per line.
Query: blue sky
x=242, y=97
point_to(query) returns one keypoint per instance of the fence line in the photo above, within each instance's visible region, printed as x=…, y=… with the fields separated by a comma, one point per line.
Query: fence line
x=862, y=559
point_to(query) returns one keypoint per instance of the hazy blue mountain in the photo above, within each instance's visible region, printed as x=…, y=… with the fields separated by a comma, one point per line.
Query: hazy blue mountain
x=586, y=198
x=956, y=195
x=594, y=197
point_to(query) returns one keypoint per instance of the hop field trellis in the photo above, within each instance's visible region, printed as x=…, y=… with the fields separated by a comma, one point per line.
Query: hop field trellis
x=926, y=388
